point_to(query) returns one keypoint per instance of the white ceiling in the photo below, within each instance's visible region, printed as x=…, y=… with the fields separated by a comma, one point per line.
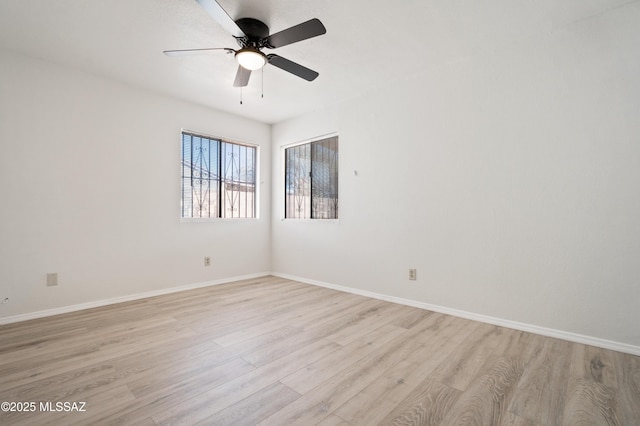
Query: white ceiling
x=369, y=43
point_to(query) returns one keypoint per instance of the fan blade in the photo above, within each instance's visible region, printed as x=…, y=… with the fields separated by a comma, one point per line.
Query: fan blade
x=221, y=16
x=311, y=28
x=292, y=67
x=188, y=52
x=242, y=77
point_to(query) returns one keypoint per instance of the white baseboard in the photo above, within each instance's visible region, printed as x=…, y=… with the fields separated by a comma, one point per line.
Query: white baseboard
x=128, y=298
x=558, y=334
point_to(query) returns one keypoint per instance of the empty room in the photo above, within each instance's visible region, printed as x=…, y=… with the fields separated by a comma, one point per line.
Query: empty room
x=235, y=212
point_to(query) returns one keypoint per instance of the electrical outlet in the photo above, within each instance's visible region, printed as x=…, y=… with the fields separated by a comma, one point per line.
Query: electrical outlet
x=413, y=274
x=52, y=279
x=207, y=261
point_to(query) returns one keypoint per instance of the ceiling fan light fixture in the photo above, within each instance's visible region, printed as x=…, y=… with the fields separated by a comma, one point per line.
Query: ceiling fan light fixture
x=251, y=59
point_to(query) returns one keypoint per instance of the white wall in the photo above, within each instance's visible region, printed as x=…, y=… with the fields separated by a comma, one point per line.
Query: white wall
x=510, y=180
x=90, y=189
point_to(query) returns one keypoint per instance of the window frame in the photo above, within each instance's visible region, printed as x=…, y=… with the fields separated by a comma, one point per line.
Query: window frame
x=310, y=141
x=256, y=206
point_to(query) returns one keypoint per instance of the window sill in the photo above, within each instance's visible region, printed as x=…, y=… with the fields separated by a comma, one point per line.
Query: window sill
x=216, y=219
x=310, y=220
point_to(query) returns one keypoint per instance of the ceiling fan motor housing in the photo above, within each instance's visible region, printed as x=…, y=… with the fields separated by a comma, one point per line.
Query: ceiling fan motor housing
x=256, y=33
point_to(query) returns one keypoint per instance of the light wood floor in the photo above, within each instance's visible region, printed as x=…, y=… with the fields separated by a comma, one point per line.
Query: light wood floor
x=275, y=352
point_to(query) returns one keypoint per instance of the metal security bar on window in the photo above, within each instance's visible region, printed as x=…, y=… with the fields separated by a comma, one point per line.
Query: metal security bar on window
x=324, y=179
x=311, y=180
x=238, y=180
x=218, y=178
x=298, y=182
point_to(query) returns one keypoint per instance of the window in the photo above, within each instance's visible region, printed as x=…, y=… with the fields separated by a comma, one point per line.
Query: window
x=311, y=180
x=218, y=178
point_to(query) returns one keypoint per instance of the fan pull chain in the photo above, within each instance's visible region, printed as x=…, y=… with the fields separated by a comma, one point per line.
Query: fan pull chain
x=262, y=95
x=240, y=95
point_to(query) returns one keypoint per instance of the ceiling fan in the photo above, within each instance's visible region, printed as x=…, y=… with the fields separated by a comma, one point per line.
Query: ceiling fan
x=253, y=35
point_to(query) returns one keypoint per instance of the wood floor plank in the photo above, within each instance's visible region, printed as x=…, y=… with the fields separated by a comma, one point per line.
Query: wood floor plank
x=89, y=387
x=329, y=302
x=371, y=320
x=410, y=317
x=591, y=394
x=595, y=364
x=17, y=373
x=460, y=369
x=264, y=348
x=589, y=402
x=374, y=402
x=268, y=353
x=83, y=338
x=274, y=351
x=356, y=313
x=96, y=403
x=511, y=419
x=254, y=408
x=197, y=373
x=300, y=318
x=318, y=403
x=312, y=375
x=426, y=405
x=227, y=394
x=214, y=325
x=102, y=403
x=333, y=420
x=627, y=370
x=48, y=387
x=386, y=393
x=541, y=395
x=184, y=353
x=486, y=400
x=158, y=400
x=14, y=345
x=337, y=365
